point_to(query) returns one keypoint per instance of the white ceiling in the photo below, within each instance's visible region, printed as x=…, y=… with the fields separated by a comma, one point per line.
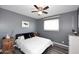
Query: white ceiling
x=53, y=10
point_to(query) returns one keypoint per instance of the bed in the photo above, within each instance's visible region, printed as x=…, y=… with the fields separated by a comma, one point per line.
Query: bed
x=32, y=45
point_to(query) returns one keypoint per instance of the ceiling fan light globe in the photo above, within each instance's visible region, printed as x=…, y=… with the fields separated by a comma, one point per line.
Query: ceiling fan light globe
x=39, y=12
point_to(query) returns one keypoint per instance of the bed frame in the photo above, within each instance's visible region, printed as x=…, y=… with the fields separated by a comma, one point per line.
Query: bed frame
x=26, y=35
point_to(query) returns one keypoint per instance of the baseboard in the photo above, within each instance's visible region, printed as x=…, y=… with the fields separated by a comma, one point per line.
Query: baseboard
x=61, y=45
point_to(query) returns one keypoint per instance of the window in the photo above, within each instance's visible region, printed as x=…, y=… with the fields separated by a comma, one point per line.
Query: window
x=51, y=25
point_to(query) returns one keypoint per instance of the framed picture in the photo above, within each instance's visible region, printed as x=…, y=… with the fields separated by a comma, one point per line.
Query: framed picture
x=25, y=24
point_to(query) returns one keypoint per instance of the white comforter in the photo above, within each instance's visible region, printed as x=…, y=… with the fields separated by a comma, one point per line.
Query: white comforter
x=34, y=45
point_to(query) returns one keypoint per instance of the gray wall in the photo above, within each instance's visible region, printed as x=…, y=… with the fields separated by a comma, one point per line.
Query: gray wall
x=11, y=22
x=65, y=28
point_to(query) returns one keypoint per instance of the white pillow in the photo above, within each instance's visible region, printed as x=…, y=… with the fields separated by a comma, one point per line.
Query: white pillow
x=21, y=37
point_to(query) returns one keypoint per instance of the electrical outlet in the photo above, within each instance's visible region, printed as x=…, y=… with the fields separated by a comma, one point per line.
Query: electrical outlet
x=62, y=41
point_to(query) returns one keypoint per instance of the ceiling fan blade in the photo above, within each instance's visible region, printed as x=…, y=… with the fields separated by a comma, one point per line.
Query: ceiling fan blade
x=46, y=8
x=34, y=11
x=36, y=6
x=45, y=12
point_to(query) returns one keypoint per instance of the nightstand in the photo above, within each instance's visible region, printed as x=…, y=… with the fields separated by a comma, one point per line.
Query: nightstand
x=7, y=46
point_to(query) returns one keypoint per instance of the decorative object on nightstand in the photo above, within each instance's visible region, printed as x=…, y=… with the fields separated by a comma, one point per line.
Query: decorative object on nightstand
x=74, y=32
x=7, y=45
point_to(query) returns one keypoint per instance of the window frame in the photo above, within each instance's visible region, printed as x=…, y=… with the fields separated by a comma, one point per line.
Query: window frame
x=52, y=29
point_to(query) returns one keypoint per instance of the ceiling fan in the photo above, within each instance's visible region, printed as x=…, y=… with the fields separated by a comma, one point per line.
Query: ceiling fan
x=41, y=10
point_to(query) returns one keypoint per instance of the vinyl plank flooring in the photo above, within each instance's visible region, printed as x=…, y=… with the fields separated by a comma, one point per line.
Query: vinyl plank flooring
x=55, y=50
x=49, y=50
